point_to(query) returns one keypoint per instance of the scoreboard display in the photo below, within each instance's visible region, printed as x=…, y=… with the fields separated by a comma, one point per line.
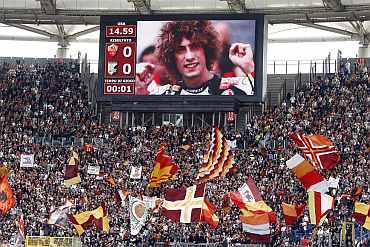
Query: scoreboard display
x=120, y=59
x=152, y=57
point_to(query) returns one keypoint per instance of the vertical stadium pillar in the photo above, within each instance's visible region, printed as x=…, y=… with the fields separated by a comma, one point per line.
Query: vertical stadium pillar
x=364, y=51
x=62, y=52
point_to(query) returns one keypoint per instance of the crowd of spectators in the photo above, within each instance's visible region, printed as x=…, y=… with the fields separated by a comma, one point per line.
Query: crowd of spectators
x=51, y=101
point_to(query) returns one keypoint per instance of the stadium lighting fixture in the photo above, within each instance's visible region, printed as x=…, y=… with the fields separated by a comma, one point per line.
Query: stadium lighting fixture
x=143, y=6
x=333, y=4
x=236, y=5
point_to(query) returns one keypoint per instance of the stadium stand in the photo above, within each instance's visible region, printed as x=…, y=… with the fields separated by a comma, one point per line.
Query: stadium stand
x=44, y=111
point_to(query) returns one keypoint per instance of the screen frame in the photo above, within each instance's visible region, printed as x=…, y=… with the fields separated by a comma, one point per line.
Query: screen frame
x=259, y=51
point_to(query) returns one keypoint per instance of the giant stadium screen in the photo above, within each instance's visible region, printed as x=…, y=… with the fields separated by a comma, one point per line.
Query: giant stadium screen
x=190, y=55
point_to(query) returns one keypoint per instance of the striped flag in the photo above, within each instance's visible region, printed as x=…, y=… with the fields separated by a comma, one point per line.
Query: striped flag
x=208, y=214
x=292, y=212
x=362, y=214
x=164, y=168
x=258, y=226
x=318, y=148
x=319, y=205
x=97, y=217
x=306, y=173
x=219, y=160
x=72, y=173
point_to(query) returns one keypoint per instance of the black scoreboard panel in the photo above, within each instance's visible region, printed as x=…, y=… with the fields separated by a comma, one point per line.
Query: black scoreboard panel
x=180, y=59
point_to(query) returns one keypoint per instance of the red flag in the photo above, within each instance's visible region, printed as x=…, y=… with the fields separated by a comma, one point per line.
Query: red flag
x=7, y=200
x=164, y=168
x=317, y=148
x=185, y=204
x=292, y=213
x=208, y=214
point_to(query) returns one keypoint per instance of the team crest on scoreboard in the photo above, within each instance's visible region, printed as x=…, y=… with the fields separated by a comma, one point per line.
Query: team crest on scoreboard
x=112, y=67
x=112, y=50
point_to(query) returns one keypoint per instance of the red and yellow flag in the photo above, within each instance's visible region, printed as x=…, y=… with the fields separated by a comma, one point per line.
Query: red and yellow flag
x=208, y=214
x=164, y=168
x=97, y=217
x=7, y=200
x=72, y=173
x=362, y=214
x=292, y=212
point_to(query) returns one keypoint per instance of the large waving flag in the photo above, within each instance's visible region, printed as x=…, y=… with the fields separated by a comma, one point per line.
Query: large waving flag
x=72, y=173
x=7, y=200
x=318, y=148
x=247, y=193
x=292, y=212
x=362, y=214
x=185, y=204
x=164, y=168
x=208, y=214
x=219, y=160
x=97, y=217
x=306, y=173
x=258, y=225
x=319, y=205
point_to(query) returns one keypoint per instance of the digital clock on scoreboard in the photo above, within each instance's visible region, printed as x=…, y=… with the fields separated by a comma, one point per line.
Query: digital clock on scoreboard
x=120, y=59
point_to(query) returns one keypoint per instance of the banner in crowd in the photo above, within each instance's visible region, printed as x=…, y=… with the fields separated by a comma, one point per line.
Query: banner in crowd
x=138, y=214
x=93, y=170
x=185, y=204
x=72, y=172
x=362, y=214
x=27, y=160
x=97, y=217
x=45, y=241
x=164, y=168
x=317, y=148
x=219, y=159
x=310, y=178
x=7, y=200
x=319, y=204
x=257, y=225
x=136, y=172
x=58, y=216
x=208, y=214
x=292, y=212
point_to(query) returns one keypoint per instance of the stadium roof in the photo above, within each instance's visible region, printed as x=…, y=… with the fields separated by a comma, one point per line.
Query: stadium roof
x=64, y=21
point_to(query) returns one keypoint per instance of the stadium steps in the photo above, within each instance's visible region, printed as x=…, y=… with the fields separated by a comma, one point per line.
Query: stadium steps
x=275, y=84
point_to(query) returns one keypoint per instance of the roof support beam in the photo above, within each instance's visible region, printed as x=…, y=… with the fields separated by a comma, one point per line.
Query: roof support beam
x=362, y=32
x=236, y=5
x=142, y=6
x=333, y=4
x=83, y=32
x=310, y=39
x=329, y=29
x=32, y=29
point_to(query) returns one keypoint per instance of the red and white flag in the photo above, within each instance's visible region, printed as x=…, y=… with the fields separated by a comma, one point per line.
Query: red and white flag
x=319, y=205
x=184, y=205
x=318, y=148
x=247, y=193
x=310, y=178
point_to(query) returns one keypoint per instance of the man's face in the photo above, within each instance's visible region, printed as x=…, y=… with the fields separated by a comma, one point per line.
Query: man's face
x=190, y=60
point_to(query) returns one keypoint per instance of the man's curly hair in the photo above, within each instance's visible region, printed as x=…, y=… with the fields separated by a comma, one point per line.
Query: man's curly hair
x=199, y=32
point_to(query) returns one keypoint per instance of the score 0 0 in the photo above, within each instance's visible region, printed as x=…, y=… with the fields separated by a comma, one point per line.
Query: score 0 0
x=127, y=60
